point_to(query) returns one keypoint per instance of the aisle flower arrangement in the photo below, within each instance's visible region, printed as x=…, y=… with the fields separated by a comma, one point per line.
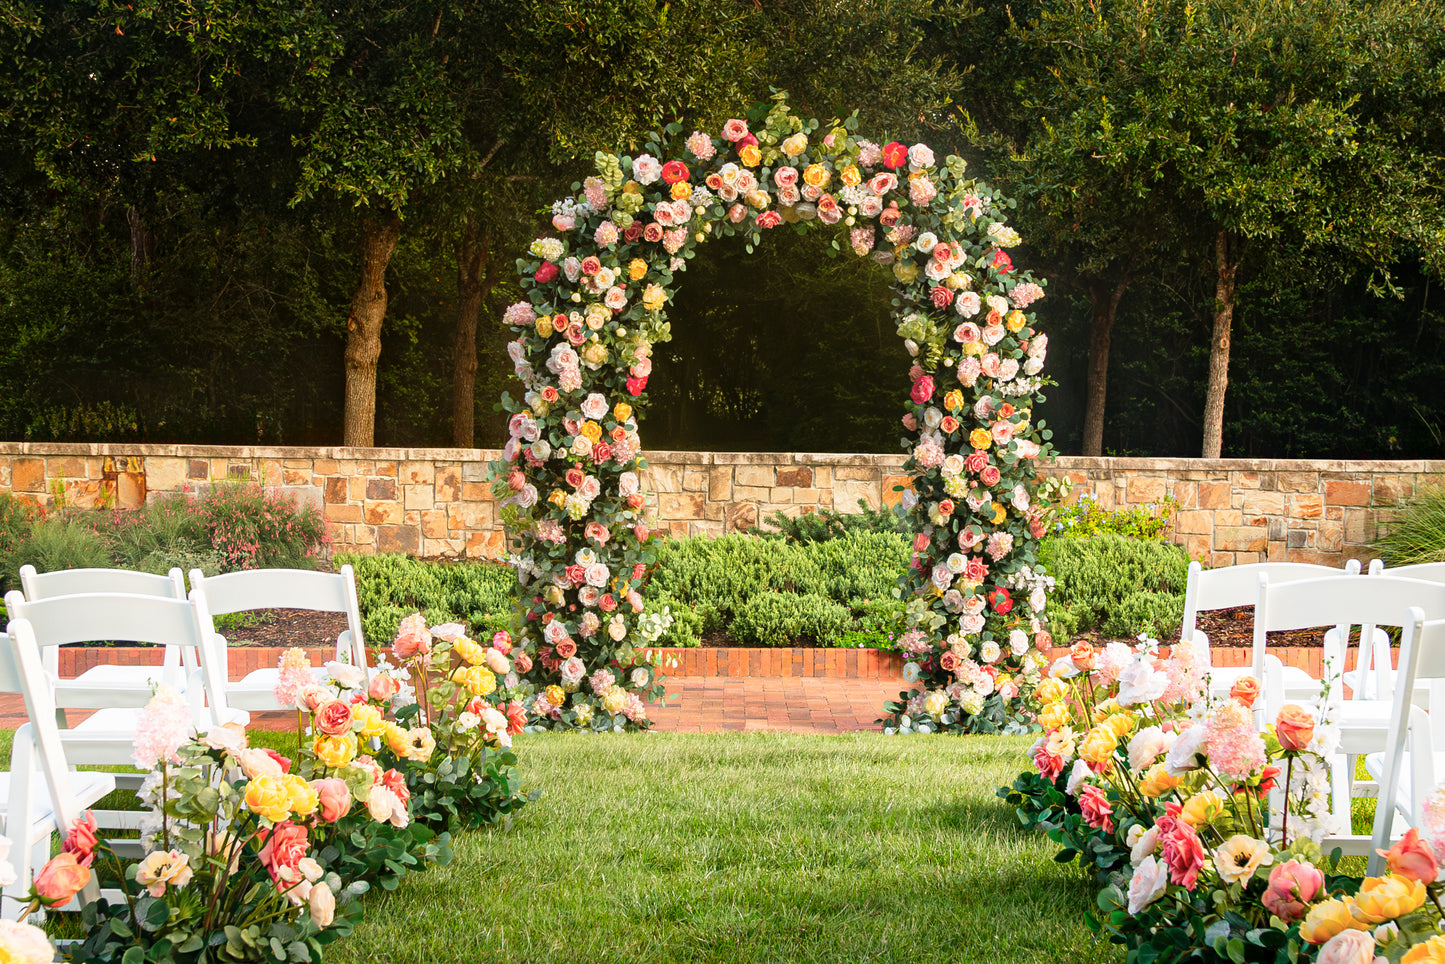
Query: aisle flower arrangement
x=1202, y=830
x=595, y=307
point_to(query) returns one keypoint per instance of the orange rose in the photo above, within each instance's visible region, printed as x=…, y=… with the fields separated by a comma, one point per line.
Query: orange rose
x=1245, y=690
x=334, y=717
x=61, y=879
x=1294, y=727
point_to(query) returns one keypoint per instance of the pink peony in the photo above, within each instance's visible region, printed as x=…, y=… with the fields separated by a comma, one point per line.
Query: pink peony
x=1293, y=886
x=922, y=390
x=1095, y=805
x=412, y=637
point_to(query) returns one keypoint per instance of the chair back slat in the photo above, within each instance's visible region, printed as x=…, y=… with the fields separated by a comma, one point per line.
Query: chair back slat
x=250, y=589
x=9, y=671
x=24, y=656
x=73, y=582
x=1427, y=571
x=1344, y=601
x=107, y=616
x=1229, y=587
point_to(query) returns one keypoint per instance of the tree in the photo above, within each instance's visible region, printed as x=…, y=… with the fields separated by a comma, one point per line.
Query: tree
x=1232, y=128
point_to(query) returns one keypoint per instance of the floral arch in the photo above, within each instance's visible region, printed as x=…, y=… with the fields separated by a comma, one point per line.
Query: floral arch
x=596, y=295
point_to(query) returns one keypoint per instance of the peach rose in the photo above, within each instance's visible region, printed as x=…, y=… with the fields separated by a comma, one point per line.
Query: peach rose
x=1412, y=858
x=61, y=879
x=1245, y=691
x=321, y=903
x=383, y=687
x=1294, y=727
x=285, y=847
x=1082, y=656
x=412, y=636
x=334, y=797
x=334, y=718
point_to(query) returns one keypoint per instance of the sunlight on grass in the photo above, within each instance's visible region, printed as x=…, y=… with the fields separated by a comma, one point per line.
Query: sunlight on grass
x=747, y=848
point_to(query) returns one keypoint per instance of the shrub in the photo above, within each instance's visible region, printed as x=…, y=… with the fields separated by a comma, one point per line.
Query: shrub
x=139, y=537
x=1087, y=518
x=63, y=542
x=826, y=524
x=1418, y=534
x=389, y=587
x=781, y=618
x=1118, y=584
x=16, y=519
x=253, y=529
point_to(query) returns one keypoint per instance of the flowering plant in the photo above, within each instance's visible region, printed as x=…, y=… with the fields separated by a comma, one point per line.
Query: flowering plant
x=1204, y=830
x=596, y=295
x=227, y=872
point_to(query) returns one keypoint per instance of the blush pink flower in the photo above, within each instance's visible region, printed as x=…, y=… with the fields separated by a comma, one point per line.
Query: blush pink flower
x=164, y=726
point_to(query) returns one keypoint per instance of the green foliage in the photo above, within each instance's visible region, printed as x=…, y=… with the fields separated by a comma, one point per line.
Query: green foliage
x=64, y=542
x=777, y=619
x=827, y=524
x=389, y=587
x=1087, y=518
x=16, y=519
x=1122, y=586
x=1418, y=533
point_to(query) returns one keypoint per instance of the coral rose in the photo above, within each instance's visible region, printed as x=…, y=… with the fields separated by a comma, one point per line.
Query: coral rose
x=382, y=687
x=334, y=797
x=1294, y=727
x=82, y=839
x=1412, y=858
x=285, y=846
x=1293, y=886
x=61, y=879
x=334, y=718
x=396, y=783
x=1245, y=690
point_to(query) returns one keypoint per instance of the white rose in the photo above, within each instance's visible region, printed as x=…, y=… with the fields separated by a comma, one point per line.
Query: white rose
x=1149, y=880
x=1141, y=683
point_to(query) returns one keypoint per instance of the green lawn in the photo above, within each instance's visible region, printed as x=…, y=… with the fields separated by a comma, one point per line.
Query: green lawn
x=747, y=847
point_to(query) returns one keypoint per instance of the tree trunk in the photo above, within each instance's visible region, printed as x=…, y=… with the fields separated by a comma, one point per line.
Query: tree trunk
x=363, y=330
x=476, y=275
x=142, y=247
x=1226, y=269
x=1105, y=303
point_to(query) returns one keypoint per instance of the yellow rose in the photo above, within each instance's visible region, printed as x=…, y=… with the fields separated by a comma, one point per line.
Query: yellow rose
x=1107, y=708
x=304, y=800
x=1158, y=782
x=591, y=430
x=1054, y=715
x=622, y=411
x=1098, y=746
x=851, y=176
x=980, y=438
x=906, y=272
x=1430, y=952
x=1000, y=513
x=267, y=798
x=795, y=145
x=367, y=720
x=1050, y=690
x=478, y=680
x=1328, y=918
x=1202, y=808
x=555, y=695
x=614, y=700
x=817, y=175
x=544, y=326
x=1014, y=320
x=759, y=199
x=557, y=497
x=654, y=298
x=974, y=348
x=335, y=751
x=750, y=155
x=636, y=268
x=681, y=191
x=1121, y=725
x=1385, y=898
x=469, y=650
x=395, y=738
x=953, y=401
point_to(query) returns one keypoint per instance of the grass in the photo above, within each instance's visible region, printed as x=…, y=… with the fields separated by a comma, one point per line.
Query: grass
x=747, y=848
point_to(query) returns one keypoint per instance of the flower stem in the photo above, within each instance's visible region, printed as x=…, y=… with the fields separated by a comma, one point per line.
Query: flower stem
x=1284, y=817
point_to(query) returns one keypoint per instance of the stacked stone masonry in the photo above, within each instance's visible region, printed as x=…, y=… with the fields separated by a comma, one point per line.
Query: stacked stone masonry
x=438, y=502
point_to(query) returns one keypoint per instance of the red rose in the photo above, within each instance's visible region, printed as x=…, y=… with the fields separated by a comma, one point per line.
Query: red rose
x=546, y=274
x=82, y=839
x=633, y=232
x=895, y=155
x=636, y=386
x=516, y=717
x=285, y=846
x=334, y=718
x=283, y=762
x=674, y=171
x=638, y=571
x=601, y=452
x=922, y=389
x=999, y=599
x=1001, y=262
x=747, y=140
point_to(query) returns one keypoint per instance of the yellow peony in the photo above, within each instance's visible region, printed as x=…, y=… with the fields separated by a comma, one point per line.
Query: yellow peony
x=614, y=700
x=469, y=650
x=1385, y=898
x=795, y=145
x=478, y=680
x=591, y=430
x=555, y=695
x=980, y=438
x=1202, y=808
x=557, y=497
x=1328, y=918
x=367, y=720
x=681, y=191
x=654, y=298
x=1430, y=952
x=1051, y=689
x=1157, y=781
x=267, y=798
x=622, y=411
x=544, y=326
x=636, y=268
x=1014, y=320
x=304, y=800
x=1000, y=513
x=1098, y=746
x=1054, y=715
x=395, y=737
x=1121, y=725
x=953, y=401
x=817, y=175
x=335, y=751
x=851, y=176
x=750, y=155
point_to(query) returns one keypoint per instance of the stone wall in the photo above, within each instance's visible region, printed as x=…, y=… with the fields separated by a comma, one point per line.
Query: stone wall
x=436, y=502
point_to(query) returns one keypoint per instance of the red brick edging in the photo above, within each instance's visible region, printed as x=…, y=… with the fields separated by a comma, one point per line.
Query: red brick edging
x=240, y=660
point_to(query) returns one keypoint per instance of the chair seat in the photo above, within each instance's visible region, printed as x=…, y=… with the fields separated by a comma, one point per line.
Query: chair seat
x=1297, y=683
x=89, y=786
x=112, y=685
x=257, y=690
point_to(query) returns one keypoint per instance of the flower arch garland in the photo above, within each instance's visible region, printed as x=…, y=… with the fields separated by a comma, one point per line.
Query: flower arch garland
x=595, y=305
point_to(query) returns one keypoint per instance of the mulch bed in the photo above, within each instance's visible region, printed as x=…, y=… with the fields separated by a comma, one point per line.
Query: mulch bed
x=300, y=627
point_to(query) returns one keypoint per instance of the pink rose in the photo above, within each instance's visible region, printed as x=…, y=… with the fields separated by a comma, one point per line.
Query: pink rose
x=546, y=273
x=785, y=176
x=652, y=233
x=1348, y=947
x=522, y=662
x=82, y=839
x=1096, y=809
x=828, y=210
x=1049, y=765
x=881, y=184
x=334, y=797
x=1411, y=858
x=735, y=130
x=382, y=687
x=975, y=570
x=736, y=213
x=1183, y=854
x=591, y=264
x=921, y=542
x=412, y=637
x=285, y=846
x=1293, y=886
x=922, y=390
x=567, y=648
x=334, y=718
x=989, y=475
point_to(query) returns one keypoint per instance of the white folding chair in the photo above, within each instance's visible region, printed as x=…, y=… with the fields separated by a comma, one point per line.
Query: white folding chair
x=1374, y=666
x=1340, y=601
x=38, y=804
x=1230, y=587
x=99, y=686
x=253, y=589
x=106, y=736
x=1411, y=765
